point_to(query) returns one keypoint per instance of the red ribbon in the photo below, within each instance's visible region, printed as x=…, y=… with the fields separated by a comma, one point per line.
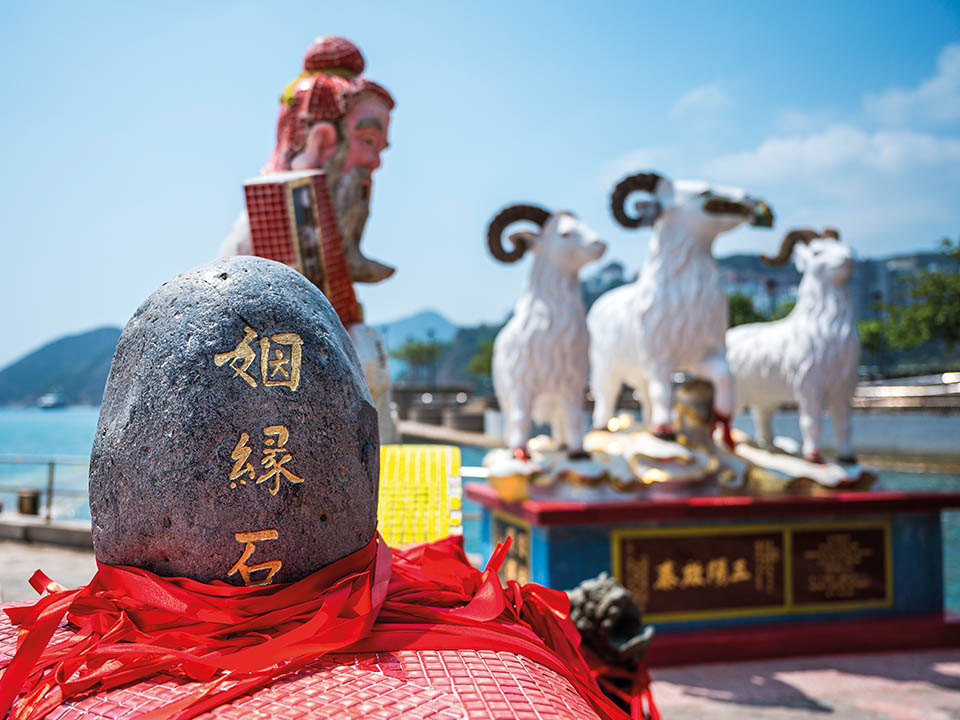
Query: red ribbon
x=132, y=625
x=630, y=687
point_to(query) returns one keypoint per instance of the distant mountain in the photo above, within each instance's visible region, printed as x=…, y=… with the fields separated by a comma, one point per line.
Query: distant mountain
x=417, y=327
x=75, y=366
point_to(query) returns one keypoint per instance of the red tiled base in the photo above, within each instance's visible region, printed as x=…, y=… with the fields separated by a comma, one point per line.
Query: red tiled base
x=440, y=685
x=853, y=635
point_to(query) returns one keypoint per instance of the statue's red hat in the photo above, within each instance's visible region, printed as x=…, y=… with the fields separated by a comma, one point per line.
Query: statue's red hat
x=324, y=91
x=333, y=53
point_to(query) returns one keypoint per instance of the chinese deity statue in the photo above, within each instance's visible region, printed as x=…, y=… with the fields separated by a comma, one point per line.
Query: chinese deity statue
x=334, y=120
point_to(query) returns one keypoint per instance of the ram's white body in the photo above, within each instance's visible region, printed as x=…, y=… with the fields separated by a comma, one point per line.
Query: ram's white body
x=673, y=318
x=540, y=357
x=809, y=357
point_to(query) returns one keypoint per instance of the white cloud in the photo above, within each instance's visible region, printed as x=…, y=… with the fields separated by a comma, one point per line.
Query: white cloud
x=837, y=147
x=703, y=100
x=798, y=122
x=887, y=191
x=886, y=173
x=936, y=100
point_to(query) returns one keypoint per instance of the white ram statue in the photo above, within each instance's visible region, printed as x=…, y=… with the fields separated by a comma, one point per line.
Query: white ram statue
x=674, y=316
x=540, y=355
x=809, y=357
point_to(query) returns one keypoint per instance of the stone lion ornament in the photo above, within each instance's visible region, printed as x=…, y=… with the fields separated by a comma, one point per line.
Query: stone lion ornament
x=237, y=439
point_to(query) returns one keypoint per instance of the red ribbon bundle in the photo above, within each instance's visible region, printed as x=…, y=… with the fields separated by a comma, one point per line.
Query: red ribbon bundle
x=133, y=625
x=630, y=687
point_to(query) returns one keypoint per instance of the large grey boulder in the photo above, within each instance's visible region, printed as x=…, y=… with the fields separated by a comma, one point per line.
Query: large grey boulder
x=213, y=459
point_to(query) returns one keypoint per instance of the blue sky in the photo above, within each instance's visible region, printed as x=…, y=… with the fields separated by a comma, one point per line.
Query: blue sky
x=128, y=129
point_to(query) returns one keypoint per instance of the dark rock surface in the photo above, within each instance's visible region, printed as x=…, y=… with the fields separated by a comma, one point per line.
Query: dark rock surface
x=172, y=483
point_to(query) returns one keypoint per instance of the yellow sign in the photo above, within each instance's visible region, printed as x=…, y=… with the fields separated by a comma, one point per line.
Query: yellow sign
x=421, y=495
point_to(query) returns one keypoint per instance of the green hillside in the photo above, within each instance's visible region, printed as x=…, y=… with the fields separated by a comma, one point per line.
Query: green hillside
x=75, y=366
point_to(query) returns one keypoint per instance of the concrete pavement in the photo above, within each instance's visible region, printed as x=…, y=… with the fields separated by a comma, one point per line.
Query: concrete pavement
x=920, y=685
x=68, y=566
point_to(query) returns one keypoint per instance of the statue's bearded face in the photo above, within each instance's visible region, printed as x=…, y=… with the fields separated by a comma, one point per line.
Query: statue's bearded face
x=363, y=136
x=349, y=151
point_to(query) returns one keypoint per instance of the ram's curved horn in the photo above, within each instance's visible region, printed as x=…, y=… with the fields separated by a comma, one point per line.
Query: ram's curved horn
x=804, y=235
x=647, y=211
x=506, y=217
x=830, y=234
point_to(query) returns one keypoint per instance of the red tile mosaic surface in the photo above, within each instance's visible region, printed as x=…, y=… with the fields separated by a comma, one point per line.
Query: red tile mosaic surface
x=439, y=685
x=272, y=237
x=270, y=227
x=339, y=283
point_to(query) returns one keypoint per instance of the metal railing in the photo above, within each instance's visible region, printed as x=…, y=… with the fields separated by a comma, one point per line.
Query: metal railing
x=51, y=462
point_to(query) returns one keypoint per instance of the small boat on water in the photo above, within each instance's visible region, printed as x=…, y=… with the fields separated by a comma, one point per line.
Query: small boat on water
x=51, y=401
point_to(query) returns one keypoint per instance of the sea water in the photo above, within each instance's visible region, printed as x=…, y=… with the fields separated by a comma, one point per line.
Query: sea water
x=62, y=434
x=68, y=432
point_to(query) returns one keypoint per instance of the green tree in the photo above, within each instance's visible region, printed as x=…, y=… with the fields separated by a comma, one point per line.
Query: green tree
x=420, y=356
x=480, y=364
x=873, y=336
x=784, y=308
x=932, y=311
x=742, y=311
x=873, y=340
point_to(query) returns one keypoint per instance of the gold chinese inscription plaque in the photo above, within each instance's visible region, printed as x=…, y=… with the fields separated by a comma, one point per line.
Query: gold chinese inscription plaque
x=697, y=571
x=516, y=566
x=845, y=565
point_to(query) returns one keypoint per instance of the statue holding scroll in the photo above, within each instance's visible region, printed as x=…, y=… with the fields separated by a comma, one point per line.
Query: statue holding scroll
x=332, y=120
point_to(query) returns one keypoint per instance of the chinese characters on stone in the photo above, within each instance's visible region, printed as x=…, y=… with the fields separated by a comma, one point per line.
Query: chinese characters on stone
x=282, y=369
x=271, y=566
x=280, y=359
x=275, y=457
